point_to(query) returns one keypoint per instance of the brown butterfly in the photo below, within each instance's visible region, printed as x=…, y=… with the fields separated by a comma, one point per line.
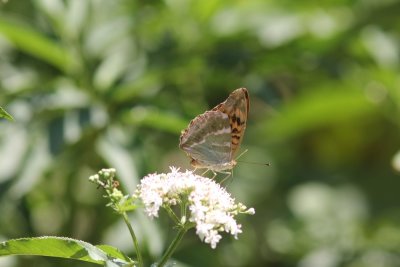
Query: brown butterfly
x=212, y=139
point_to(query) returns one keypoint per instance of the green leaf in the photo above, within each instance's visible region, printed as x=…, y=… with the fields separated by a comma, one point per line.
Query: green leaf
x=5, y=114
x=321, y=107
x=146, y=86
x=35, y=44
x=152, y=117
x=68, y=248
x=114, y=252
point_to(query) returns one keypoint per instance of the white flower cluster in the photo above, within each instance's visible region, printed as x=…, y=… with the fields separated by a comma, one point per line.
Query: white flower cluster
x=211, y=207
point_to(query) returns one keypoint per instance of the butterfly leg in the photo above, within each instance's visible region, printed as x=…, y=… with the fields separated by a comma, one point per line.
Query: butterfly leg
x=204, y=172
x=228, y=174
x=214, y=173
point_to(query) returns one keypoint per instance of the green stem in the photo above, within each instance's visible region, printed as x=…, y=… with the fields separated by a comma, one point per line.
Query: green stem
x=172, y=214
x=183, y=209
x=173, y=246
x=134, y=239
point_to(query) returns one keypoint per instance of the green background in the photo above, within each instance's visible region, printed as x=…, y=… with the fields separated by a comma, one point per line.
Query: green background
x=95, y=84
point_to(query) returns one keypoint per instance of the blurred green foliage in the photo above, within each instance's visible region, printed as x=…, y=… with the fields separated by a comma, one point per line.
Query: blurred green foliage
x=95, y=84
x=4, y=114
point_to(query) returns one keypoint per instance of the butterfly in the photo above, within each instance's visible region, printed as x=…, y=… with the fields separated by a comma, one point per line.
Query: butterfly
x=212, y=139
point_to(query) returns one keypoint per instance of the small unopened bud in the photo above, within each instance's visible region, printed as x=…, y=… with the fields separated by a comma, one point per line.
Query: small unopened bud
x=94, y=178
x=251, y=211
x=183, y=220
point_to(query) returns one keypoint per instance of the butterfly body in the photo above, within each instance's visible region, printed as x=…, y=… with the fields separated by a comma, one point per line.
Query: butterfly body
x=212, y=139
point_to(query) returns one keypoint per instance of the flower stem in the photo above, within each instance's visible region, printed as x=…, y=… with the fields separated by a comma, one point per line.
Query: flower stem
x=134, y=239
x=173, y=246
x=172, y=214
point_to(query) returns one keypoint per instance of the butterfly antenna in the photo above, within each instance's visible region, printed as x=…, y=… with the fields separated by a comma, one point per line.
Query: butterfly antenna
x=241, y=154
x=257, y=163
x=249, y=162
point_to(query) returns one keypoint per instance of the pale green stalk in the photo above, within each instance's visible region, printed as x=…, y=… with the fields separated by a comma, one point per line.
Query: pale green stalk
x=134, y=239
x=173, y=246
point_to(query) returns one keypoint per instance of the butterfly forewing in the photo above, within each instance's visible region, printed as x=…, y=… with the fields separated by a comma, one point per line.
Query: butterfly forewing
x=236, y=106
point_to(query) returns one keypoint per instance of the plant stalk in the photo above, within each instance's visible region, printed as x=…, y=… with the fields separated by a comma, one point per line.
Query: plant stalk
x=173, y=246
x=134, y=239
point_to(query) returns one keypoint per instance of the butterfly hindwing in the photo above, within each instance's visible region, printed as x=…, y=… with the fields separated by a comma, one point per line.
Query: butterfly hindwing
x=207, y=140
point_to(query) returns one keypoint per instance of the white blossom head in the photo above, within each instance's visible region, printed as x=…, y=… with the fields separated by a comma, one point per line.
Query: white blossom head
x=210, y=208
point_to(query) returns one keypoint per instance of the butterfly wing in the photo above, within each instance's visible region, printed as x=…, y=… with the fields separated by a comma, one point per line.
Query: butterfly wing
x=236, y=106
x=207, y=140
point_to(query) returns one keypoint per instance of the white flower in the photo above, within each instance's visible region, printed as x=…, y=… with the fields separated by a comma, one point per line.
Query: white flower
x=211, y=207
